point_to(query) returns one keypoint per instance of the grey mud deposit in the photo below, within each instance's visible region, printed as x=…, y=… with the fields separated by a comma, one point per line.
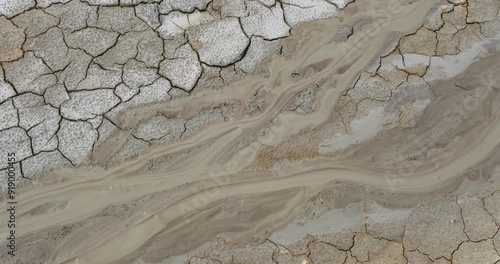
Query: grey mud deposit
x=318, y=131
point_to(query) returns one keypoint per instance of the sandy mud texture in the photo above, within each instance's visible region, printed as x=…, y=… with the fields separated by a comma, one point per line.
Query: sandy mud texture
x=318, y=131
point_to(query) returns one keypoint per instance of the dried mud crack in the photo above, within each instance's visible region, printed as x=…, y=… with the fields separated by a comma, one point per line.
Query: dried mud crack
x=318, y=131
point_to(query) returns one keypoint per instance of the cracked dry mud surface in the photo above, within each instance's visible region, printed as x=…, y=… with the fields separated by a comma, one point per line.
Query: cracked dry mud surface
x=245, y=131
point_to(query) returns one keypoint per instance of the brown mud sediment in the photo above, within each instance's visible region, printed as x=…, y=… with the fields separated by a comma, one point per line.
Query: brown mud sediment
x=126, y=212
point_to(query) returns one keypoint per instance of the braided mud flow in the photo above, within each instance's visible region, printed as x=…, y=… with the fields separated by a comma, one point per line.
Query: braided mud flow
x=249, y=131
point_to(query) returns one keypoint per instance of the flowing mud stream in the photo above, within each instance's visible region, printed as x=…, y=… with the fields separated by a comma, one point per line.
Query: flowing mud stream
x=121, y=213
